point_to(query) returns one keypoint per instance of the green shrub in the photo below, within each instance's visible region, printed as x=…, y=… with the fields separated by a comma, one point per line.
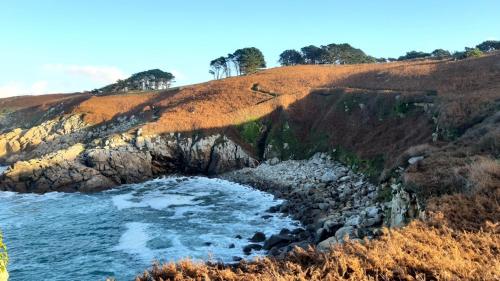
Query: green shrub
x=4, y=258
x=372, y=168
x=250, y=132
x=285, y=144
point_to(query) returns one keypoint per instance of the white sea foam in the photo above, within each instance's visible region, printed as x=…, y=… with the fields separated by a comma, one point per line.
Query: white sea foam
x=3, y=169
x=134, y=241
x=165, y=219
x=123, y=201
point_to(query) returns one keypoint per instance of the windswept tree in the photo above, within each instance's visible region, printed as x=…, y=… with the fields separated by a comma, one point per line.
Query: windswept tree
x=242, y=61
x=291, y=57
x=218, y=67
x=233, y=64
x=249, y=60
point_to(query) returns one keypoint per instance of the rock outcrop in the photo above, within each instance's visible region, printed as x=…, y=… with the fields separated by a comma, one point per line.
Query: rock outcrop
x=59, y=171
x=404, y=207
x=49, y=136
x=65, y=154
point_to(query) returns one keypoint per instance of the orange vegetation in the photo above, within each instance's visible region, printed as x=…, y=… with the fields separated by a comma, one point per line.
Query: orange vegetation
x=102, y=109
x=235, y=100
x=459, y=180
x=416, y=252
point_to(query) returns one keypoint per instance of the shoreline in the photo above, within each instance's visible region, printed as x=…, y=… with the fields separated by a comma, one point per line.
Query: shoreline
x=330, y=201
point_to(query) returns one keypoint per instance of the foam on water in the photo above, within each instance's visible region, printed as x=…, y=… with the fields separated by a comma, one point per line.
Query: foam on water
x=134, y=240
x=3, y=169
x=120, y=232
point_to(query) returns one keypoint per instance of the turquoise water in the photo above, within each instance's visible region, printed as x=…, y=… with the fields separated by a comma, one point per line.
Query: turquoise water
x=118, y=233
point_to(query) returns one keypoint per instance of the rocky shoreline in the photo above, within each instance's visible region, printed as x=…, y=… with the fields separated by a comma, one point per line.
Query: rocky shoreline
x=331, y=201
x=65, y=154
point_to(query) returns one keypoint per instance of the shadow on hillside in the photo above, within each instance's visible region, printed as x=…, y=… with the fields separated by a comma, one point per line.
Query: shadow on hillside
x=366, y=120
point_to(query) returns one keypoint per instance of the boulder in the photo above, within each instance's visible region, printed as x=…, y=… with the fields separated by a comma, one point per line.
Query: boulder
x=414, y=160
x=251, y=247
x=375, y=221
x=332, y=225
x=346, y=231
x=353, y=220
x=329, y=177
x=372, y=211
x=277, y=241
x=258, y=237
x=326, y=244
x=273, y=161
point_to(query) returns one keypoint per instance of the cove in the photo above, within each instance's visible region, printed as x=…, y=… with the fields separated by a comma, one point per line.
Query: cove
x=120, y=232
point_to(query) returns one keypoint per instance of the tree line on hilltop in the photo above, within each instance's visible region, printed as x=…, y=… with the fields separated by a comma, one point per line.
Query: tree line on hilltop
x=346, y=54
x=249, y=60
x=242, y=61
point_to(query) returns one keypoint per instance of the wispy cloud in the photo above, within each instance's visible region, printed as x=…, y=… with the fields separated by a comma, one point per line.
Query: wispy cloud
x=101, y=74
x=179, y=76
x=11, y=89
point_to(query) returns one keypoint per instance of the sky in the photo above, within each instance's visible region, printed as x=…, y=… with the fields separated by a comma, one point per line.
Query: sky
x=64, y=46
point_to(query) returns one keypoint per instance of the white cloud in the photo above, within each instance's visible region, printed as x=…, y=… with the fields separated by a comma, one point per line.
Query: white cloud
x=101, y=74
x=11, y=89
x=39, y=87
x=179, y=76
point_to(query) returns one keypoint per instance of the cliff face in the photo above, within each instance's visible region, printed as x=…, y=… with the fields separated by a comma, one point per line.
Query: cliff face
x=68, y=155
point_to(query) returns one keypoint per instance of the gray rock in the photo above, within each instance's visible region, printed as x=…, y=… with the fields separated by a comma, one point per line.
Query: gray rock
x=326, y=244
x=372, y=211
x=258, y=237
x=251, y=247
x=328, y=177
x=404, y=207
x=273, y=161
x=353, y=220
x=332, y=225
x=323, y=206
x=277, y=241
x=414, y=160
x=344, y=178
x=346, y=231
x=374, y=221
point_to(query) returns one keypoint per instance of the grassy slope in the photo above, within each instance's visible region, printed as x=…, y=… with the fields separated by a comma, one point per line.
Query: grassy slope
x=376, y=116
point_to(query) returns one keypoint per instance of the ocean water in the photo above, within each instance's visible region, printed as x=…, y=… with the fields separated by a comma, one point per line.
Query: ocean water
x=119, y=233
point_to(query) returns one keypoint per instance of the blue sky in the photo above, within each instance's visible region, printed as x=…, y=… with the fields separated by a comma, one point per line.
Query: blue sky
x=63, y=46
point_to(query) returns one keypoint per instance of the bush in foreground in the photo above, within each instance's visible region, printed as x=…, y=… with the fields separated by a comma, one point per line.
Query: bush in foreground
x=417, y=252
x=4, y=260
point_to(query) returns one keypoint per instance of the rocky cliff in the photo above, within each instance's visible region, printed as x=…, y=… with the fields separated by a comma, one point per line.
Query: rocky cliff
x=66, y=154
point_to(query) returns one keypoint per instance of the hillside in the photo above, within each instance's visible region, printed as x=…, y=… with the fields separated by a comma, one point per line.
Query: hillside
x=426, y=132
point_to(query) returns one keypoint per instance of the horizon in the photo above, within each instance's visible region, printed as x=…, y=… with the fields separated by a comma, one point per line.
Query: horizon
x=61, y=47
